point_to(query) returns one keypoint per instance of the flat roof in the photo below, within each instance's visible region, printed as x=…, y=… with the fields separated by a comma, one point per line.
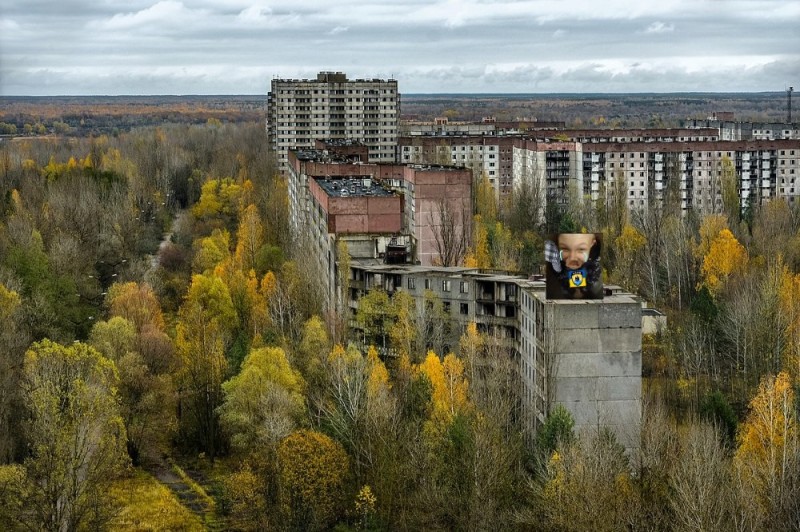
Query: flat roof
x=353, y=186
x=311, y=154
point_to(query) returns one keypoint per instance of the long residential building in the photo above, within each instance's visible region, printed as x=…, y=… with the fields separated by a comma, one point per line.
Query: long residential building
x=300, y=111
x=583, y=354
x=646, y=162
x=730, y=129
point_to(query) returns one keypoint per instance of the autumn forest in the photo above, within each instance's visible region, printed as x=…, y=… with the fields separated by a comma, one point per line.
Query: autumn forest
x=166, y=364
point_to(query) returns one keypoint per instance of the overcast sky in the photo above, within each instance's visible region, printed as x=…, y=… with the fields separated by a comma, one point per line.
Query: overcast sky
x=70, y=47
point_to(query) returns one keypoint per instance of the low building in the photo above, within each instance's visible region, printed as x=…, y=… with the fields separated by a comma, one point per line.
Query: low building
x=583, y=354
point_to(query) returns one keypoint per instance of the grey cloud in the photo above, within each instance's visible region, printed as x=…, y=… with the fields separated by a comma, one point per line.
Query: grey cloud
x=77, y=46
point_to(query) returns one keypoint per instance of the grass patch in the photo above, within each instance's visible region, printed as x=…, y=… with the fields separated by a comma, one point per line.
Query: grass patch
x=149, y=505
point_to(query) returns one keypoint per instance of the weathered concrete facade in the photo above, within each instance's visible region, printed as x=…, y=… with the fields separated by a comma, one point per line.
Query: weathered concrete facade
x=301, y=111
x=424, y=192
x=594, y=353
x=583, y=354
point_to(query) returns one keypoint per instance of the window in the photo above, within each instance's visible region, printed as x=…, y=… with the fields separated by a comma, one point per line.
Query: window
x=446, y=285
x=464, y=309
x=427, y=284
x=446, y=307
x=464, y=287
x=411, y=283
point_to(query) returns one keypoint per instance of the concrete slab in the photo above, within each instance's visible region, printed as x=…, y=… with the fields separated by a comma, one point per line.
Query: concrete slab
x=591, y=390
x=620, y=315
x=599, y=364
x=597, y=340
x=577, y=315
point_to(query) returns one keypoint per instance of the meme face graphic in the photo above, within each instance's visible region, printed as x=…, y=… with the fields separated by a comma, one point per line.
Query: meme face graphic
x=573, y=249
x=573, y=266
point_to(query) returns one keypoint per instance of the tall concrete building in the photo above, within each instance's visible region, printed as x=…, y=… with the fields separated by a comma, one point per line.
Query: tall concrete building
x=332, y=107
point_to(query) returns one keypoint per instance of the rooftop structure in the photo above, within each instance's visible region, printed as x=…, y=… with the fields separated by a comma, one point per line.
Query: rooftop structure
x=355, y=186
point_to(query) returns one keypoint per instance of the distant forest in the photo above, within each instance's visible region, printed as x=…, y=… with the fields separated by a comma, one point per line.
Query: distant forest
x=110, y=115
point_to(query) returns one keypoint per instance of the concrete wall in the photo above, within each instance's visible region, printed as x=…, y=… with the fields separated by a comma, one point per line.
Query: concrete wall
x=431, y=188
x=596, y=370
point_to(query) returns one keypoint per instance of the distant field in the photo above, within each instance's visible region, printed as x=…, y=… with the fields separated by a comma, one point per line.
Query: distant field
x=82, y=115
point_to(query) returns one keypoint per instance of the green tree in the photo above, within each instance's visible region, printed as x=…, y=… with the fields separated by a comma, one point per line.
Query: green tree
x=375, y=317
x=147, y=398
x=75, y=435
x=556, y=431
x=205, y=322
x=264, y=402
x=13, y=341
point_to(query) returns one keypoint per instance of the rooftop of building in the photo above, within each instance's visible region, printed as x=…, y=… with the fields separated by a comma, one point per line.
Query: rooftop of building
x=333, y=77
x=320, y=156
x=353, y=186
x=342, y=142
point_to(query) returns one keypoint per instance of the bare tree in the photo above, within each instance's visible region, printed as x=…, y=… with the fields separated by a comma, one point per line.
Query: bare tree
x=450, y=223
x=700, y=494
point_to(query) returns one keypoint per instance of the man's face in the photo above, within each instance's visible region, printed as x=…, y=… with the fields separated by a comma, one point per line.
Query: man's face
x=574, y=248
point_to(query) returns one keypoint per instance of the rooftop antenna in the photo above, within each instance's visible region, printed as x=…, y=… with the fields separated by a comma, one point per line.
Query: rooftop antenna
x=789, y=92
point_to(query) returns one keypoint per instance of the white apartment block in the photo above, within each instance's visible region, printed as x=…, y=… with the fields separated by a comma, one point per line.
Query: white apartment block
x=732, y=130
x=332, y=107
x=647, y=163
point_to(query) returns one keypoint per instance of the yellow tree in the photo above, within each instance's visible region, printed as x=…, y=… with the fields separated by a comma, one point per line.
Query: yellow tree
x=219, y=202
x=211, y=251
x=505, y=248
x=710, y=228
x=276, y=209
x=478, y=255
x=628, y=247
x=725, y=256
x=313, y=350
x=312, y=469
x=768, y=443
x=789, y=296
x=249, y=239
x=136, y=303
x=205, y=322
x=449, y=389
x=486, y=203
